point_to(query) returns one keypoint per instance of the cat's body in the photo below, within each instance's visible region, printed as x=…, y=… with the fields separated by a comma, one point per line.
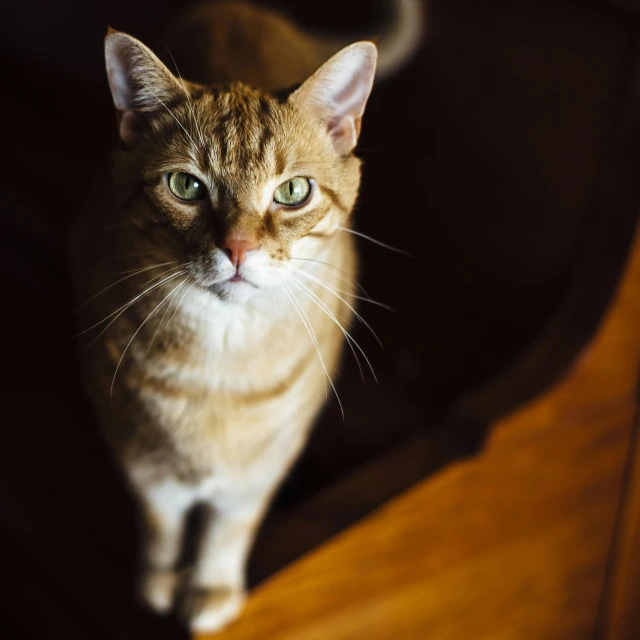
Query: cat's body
x=208, y=383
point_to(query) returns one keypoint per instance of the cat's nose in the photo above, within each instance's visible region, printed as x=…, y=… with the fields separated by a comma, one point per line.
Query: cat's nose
x=237, y=248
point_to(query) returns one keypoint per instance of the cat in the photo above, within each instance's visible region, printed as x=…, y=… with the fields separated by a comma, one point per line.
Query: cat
x=229, y=204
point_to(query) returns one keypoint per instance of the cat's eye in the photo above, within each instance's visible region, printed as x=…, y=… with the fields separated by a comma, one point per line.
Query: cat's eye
x=293, y=192
x=186, y=187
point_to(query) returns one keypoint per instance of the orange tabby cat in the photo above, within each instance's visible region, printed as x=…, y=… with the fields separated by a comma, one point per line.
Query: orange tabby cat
x=230, y=207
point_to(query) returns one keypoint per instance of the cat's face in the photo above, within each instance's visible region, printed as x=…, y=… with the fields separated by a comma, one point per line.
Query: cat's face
x=237, y=185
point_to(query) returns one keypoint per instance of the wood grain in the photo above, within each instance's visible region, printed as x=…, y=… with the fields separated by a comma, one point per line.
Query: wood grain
x=621, y=619
x=512, y=544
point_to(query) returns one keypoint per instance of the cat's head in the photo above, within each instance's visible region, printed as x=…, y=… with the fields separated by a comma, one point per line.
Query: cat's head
x=237, y=184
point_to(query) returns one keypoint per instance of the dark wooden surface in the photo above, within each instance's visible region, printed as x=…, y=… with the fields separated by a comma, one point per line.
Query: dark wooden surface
x=621, y=605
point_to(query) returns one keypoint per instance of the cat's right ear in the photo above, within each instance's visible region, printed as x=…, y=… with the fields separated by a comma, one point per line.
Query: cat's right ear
x=139, y=82
x=336, y=94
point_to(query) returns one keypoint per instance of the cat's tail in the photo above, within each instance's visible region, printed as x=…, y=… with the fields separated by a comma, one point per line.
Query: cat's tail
x=401, y=37
x=397, y=41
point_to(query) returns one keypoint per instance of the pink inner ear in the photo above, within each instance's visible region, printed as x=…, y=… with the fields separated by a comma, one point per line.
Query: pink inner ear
x=346, y=109
x=337, y=93
x=120, y=57
x=137, y=78
x=351, y=100
x=119, y=82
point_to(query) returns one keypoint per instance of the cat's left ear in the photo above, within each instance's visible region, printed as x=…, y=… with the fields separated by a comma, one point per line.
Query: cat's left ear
x=139, y=81
x=337, y=93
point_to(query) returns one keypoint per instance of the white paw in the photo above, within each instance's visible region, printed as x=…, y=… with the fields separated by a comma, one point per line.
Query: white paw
x=158, y=589
x=209, y=610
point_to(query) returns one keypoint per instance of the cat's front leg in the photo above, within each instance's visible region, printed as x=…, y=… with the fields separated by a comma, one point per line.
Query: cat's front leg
x=216, y=593
x=164, y=505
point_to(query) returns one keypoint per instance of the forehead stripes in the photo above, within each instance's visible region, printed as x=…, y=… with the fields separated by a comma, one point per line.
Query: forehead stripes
x=238, y=127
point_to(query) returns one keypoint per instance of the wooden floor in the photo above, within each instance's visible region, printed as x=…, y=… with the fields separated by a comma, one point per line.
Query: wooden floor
x=522, y=542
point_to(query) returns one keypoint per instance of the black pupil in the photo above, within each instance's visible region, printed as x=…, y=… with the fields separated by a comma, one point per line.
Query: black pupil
x=290, y=187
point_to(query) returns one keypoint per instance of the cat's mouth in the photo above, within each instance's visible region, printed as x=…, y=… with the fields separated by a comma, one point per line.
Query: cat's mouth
x=238, y=279
x=232, y=287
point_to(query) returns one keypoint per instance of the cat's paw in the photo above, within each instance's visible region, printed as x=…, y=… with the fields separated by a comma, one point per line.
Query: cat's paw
x=157, y=589
x=211, y=609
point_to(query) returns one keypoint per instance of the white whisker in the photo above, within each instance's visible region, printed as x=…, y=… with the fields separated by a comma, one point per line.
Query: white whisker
x=304, y=317
x=131, y=340
x=381, y=244
x=129, y=304
x=326, y=265
x=193, y=114
x=350, y=340
x=164, y=315
x=355, y=313
x=334, y=290
x=132, y=273
x=181, y=300
x=124, y=307
x=301, y=312
x=170, y=113
x=323, y=307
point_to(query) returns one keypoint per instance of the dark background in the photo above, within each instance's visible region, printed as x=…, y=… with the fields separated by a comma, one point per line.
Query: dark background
x=504, y=158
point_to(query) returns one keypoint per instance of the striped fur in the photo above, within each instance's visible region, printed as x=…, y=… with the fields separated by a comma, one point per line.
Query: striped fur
x=207, y=388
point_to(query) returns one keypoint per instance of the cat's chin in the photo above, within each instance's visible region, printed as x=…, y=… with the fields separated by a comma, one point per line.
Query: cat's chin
x=237, y=291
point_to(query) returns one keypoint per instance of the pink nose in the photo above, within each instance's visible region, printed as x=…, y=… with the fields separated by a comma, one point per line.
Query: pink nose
x=237, y=249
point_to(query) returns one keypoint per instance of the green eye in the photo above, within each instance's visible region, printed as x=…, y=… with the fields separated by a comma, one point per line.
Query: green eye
x=293, y=192
x=186, y=187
